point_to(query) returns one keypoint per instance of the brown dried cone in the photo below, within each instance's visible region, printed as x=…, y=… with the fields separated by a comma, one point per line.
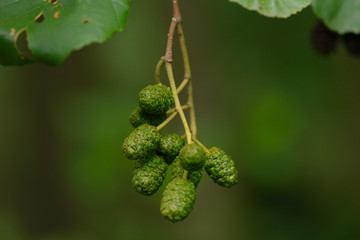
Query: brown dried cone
x=149, y=175
x=352, y=44
x=323, y=40
x=178, y=199
x=221, y=168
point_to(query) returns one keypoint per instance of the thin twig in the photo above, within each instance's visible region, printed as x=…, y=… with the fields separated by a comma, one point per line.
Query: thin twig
x=168, y=59
x=184, y=107
x=200, y=144
x=174, y=21
x=182, y=85
x=184, y=51
x=164, y=123
x=187, y=70
x=158, y=69
x=170, y=74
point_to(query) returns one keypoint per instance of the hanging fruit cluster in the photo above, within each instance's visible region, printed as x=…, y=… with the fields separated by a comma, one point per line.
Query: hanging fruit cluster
x=155, y=152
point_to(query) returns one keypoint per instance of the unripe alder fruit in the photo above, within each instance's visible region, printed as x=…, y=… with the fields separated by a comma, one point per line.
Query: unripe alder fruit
x=155, y=99
x=221, y=168
x=142, y=142
x=178, y=199
x=192, y=157
x=139, y=116
x=178, y=172
x=149, y=174
x=169, y=147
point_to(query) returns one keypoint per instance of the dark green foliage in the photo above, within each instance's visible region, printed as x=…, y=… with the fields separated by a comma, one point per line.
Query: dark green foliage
x=178, y=172
x=221, y=168
x=170, y=146
x=178, y=199
x=149, y=174
x=192, y=157
x=138, y=117
x=52, y=39
x=142, y=142
x=156, y=99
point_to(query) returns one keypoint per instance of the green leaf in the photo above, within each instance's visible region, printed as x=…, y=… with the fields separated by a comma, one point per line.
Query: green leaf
x=342, y=16
x=274, y=8
x=54, y=28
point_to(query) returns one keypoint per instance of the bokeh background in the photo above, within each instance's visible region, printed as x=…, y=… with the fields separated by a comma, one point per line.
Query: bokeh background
x=288, y=117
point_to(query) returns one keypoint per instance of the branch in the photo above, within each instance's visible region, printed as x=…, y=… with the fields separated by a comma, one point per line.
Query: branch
x=187, y=70
x=174, y=21
x=173, y=112
x=178, y=107
x=200, y=144
x=158, y=69
x=164, y=123
x=184, y=107
x=182, y=85
x=168, y=60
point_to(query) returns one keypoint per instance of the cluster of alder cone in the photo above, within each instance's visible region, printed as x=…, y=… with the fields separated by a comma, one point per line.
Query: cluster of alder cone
x=154, y=153
x=325, y=41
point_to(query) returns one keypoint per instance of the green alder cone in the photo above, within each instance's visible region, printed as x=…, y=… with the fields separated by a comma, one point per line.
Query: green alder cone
x=138, y=117
x=178, y=172
x=221, y=168
x=142, y=142
x=149, y=175
x=178, y=199
x=156, y=99
x=192, y=157
x=170, y=145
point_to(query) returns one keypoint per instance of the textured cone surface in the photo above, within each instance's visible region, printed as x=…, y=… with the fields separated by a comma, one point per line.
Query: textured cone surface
x=192, y=157
x=156, y=99
x=323, y=40
x=149, y=174
x=178, y=172
x=178, y=199
x=221, y=168
x=170, y=146
x=142, y=142
x=139, y=117
x=352, y=44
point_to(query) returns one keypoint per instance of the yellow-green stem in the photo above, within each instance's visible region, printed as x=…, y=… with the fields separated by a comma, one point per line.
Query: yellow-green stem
x=187, y=70
x=200, y=144
x=164, y=123
x=178, y=108
x=182, y=85
x=158, y=69
x=184, y=107
x=168, y=59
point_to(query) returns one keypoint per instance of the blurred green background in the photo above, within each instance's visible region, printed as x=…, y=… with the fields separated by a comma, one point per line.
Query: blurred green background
x=288, y=117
